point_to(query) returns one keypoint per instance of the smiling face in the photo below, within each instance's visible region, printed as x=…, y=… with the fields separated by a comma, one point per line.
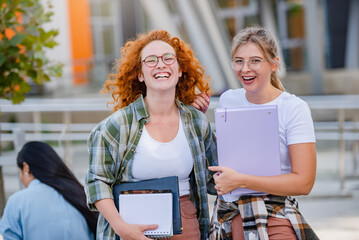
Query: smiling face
x=255, y=80
x=162, y=77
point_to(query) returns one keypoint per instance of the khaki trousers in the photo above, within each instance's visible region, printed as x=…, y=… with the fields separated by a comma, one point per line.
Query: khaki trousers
x=190, y=223
x=278, y=229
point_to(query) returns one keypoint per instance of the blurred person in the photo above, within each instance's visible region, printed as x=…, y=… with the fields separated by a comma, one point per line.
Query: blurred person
x=53, y=203
x=153, y=133
x=274, y=215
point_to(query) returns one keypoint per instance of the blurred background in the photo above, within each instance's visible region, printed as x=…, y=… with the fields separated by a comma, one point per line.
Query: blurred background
x=318, y=39
x=319, y=46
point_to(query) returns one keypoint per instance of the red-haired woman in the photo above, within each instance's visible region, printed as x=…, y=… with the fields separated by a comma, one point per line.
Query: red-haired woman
x=153, y=133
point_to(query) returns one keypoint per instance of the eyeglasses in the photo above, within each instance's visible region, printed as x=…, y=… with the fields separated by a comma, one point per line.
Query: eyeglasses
x=254, y=64
x=152, y=60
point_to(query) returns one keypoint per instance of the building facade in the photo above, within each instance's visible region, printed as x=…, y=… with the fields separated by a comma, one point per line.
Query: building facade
x=318, y=39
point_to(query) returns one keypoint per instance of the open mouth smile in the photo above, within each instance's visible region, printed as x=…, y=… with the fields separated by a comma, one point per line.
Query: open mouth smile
x=248, y=78
x=162, y=75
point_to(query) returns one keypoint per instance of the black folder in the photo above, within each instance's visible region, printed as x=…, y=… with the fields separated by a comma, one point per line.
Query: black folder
x=158, y=184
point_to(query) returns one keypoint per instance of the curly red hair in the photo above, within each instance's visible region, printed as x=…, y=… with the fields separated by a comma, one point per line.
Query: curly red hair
x=126, y=87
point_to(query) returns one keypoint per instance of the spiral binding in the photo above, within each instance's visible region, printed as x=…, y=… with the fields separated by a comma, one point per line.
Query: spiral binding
x=159, y=235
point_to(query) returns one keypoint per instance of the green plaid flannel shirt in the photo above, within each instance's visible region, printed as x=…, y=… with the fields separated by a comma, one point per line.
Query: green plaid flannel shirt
x=113, y=142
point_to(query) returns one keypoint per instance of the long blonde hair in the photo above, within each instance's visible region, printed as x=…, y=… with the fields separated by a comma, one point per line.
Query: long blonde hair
x=266, y=42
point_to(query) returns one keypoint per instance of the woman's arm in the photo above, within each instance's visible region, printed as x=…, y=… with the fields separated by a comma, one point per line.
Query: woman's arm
x=126, y=231
x=10, y=223
x=299, y=182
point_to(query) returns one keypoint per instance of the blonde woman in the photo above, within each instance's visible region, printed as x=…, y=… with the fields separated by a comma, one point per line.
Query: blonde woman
x=274, y=215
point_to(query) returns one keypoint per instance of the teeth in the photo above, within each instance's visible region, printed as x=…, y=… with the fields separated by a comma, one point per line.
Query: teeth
x=162, y=75
x=248, y=78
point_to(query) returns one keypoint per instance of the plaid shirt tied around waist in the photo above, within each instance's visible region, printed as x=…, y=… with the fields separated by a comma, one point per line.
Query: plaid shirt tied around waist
x=255, y=211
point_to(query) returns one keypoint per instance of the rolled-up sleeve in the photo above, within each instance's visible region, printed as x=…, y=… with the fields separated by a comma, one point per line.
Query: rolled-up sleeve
x=102, y=167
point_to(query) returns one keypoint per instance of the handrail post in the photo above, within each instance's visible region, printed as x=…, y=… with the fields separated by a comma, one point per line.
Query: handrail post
x=68, y=155
x=2, y=193
x=19, y=141
x=341, y=119
x=36, y=116
x=2, y=190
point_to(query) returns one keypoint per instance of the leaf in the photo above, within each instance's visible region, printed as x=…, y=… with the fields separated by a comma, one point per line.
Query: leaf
x=41, y=77
x=48, y=16
x=2, y=58
x=31, y=28
x=28, y=42
x=32, y=73
x=13, y=51
x=22, y=53
x=17, y=97
x=51, y=44
x=15, y=40
x=26, y=3
x=46, y=78
x=40, y=55
x=14, y=78
x=55, y=70
x=25, y=87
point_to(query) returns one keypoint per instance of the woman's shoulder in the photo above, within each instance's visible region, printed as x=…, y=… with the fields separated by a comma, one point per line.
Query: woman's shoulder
x=290, y=100
x=232, y=98
x=290, y=103
x=233, y=92
x=115, y=120
x=18, y=196
x=34, y=189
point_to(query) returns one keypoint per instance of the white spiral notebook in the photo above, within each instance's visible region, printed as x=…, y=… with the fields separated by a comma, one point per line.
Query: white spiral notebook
x=148, y=208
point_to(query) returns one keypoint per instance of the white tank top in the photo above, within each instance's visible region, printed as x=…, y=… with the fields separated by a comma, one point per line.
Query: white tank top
x=154, y=159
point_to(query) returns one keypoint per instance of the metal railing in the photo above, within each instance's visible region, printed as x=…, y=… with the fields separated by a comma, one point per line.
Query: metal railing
x=68, y=130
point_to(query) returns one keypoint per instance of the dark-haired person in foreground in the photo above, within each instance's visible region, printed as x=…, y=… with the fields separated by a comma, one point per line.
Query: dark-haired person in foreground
x=53, y=204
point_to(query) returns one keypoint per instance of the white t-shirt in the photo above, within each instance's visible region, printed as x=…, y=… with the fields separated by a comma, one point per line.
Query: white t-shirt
x=295, y=120
x=154, y=159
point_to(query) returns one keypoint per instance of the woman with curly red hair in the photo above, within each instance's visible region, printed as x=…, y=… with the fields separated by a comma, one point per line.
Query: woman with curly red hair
x=125, y=86
x=153, y=133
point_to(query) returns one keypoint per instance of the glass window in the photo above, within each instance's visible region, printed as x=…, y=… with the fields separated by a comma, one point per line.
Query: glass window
x=108, y=40
x=232, y=3
x=106, y=8
x=105, y=23
x=238, y=14
x=231, y=25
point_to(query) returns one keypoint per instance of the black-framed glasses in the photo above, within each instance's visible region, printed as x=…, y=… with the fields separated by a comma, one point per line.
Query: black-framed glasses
x=253, y=63
x=152, y=60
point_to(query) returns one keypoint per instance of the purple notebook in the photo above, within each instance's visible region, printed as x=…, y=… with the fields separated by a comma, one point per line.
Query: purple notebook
x=248, y=141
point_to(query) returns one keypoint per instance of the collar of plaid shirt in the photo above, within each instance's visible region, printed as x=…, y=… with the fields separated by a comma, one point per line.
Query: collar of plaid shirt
x=255, y=211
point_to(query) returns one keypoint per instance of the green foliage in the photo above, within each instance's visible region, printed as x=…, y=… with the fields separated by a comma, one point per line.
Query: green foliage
x=23, y=41
x=296, y=9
